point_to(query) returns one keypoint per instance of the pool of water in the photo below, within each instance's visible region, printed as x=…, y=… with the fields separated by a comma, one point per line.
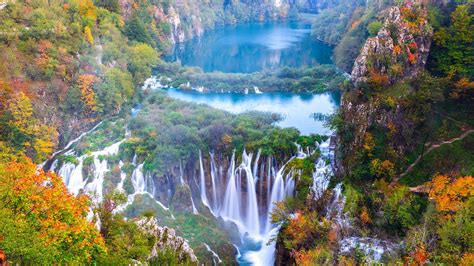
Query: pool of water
x=247, y=48
x=297, y=109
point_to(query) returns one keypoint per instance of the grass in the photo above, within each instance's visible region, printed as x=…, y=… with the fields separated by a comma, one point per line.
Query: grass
x=456, y=158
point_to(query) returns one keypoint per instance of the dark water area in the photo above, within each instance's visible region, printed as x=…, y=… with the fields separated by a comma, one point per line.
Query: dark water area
x=247, y=48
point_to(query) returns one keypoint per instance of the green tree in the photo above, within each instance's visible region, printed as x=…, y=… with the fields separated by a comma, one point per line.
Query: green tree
x=374, y=28
x=454, y=53
x=116, y=89
x=141, y=58
x=136, y=30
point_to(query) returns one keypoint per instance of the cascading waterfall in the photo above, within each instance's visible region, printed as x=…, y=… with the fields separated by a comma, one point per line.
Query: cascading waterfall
x=73, y=177
x=251, y=189
x=231, y=207
x=252, y=221
x=203, y=182
x=213, y=182
x=242, y=204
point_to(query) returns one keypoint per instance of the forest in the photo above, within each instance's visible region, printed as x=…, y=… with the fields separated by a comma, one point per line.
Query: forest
x=96, y=168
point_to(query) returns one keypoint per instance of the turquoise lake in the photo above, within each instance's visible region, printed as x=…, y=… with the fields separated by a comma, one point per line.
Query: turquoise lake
x=247, y=48
x=253, y=47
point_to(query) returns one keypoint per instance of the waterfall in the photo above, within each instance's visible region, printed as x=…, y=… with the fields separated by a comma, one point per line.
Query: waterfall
x=278, y=194
x=252, y=221
x=231, y=208
x=138, y=179
x=213, y=182
x=203, y=182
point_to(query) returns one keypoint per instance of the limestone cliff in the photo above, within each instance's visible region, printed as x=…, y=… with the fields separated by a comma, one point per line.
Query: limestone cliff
x=166, y=238
x=399, y=50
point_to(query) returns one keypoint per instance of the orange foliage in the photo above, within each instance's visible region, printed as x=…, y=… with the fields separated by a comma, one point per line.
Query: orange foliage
x=411, y=58
x=304, y=230
x=451, y=196
x=311, y=257
x=463, y=88
x=378, y=79
x=86, y=82
x=467, y=259
x=43, y=59
x=88, y=9
x=42, y=200
x=3, y=257
x=365, y=217
x=418, y=257
x=397, y=50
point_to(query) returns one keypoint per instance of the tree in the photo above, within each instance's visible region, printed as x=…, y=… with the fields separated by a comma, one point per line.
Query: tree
x=141, y=57
x=88, y=35
x=374, y=28
x=116, y=90
x=454, y=54
x=450, y=196
x=40, y=221
x=135, y=30
x=85, y=83
x=124, y=239
x=22, y=132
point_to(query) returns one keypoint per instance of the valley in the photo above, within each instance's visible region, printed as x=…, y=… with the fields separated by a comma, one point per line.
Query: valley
x=312, y=132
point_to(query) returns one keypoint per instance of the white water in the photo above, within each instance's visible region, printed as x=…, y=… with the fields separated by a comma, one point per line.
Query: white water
x=249, y=183
x=214, y=254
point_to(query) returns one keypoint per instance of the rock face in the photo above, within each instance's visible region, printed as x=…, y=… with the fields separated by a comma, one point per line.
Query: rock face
x=399, y=50
x=166, y=238
x=190, y=18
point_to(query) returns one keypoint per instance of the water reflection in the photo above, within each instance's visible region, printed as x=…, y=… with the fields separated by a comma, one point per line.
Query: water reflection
x=297, y=109
x=253, y=47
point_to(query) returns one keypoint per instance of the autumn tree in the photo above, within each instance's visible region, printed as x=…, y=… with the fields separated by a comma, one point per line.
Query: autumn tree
x=40, y=221
x=449, y=196
x=23, y=133
x=86, y=83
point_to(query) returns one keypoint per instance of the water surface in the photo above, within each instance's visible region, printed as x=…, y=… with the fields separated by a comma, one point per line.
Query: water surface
x=247, y=48
x=297, y=109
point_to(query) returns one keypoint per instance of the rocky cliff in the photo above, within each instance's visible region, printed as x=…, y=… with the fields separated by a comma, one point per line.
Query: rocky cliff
x=166, y=238
x=189, y=18
x=399, y=50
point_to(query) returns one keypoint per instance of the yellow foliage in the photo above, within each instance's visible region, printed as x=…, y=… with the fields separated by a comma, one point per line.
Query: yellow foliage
x=88, y=9
x=88, y=35
x=86, y=82
x=369, y=143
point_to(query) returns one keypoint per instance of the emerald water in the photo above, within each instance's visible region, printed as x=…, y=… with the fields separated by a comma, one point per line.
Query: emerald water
x=254, y=47
x=247, y=48
x=296, y=109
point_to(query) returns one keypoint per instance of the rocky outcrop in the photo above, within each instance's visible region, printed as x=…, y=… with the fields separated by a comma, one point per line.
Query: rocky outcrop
x=399, y=50
x=166, y=238
x=190, y=18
